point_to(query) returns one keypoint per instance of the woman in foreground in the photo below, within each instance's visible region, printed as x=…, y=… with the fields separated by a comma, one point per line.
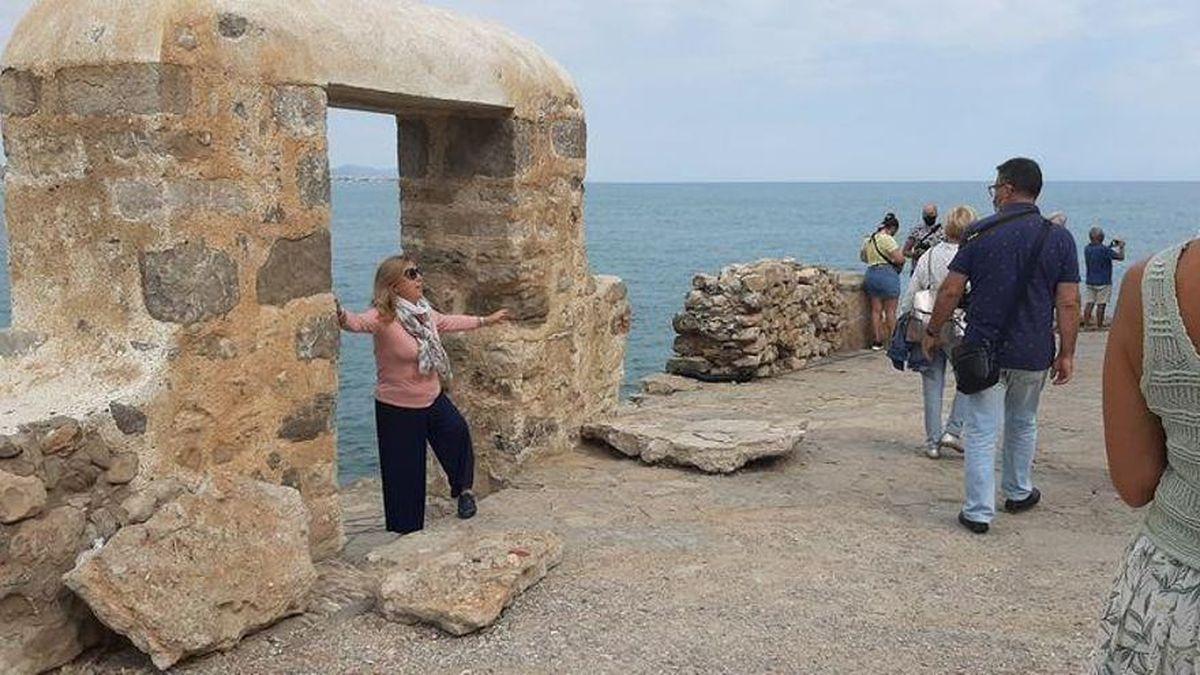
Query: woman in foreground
x=1152, y=434
x=410, y=407
x=928, y=274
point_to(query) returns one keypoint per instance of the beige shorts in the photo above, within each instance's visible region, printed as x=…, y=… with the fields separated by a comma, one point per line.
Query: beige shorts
x=1097, y=295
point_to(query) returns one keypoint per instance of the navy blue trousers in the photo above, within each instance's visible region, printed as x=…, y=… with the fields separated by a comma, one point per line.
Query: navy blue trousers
x=403, y=434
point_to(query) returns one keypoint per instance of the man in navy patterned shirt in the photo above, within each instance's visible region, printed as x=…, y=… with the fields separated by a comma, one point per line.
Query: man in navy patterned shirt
x=1025, y=347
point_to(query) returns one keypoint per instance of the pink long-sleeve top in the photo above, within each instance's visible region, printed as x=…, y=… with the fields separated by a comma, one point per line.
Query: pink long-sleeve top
x=399, y=381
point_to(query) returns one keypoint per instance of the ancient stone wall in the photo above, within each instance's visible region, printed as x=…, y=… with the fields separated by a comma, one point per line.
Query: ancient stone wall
x=493, y=208
x=764, y=318
x=171, y=274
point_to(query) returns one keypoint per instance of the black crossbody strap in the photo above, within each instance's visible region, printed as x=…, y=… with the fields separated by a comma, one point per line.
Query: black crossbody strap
x=1023, y=282
x=992, y=225
x=875, y=243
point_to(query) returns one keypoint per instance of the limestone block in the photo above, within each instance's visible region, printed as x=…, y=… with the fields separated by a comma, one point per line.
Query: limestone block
x=21, y=497
x=123, y=469
x=300, y=111
x=20, y=92
x=414, y=148
x=319, y=338
x=664, y=384
x=570, y=138
x=481, y=147
x=15, y=343
x=40, y=627
x=710, y=444
x=134, y=89
x=189, y=283
x=296, y=268
x=312, y=176
x=129, y=420
x=309, y=420
x=461, y=583
x=204, y=571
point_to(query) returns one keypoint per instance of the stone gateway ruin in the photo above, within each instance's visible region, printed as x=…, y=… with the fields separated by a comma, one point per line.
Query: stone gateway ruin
x=168, y=209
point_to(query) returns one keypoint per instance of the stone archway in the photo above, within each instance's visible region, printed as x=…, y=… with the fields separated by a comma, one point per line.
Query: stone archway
x=168, y=212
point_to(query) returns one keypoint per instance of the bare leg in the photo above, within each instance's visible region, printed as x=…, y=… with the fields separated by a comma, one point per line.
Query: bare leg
x=1101, y=310
x=877, y=319
x=889, y=324
x=1087, y=314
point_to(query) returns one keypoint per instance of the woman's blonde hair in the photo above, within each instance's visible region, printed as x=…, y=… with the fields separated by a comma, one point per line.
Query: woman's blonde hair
x=389, y=273
x=958, y=220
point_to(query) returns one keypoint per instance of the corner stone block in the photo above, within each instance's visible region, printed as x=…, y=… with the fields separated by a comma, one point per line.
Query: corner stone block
x=300, y=111
x=318, y=339
x=20, y=93
x=414, y=148
x=312, y=175
x=130, y=421
x=113, y=91
x=18, y=343
x=21, y=497
x=570, y=138
x=481, y=147
x=296, y=268
x=189, y=283
x=310, y=420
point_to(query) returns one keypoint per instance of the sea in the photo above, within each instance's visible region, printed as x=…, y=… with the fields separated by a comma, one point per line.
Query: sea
x=656, y=236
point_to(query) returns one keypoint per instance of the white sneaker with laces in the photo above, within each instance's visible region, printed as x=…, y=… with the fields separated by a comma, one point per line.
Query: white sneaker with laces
x=951, y=441
x=933, y=453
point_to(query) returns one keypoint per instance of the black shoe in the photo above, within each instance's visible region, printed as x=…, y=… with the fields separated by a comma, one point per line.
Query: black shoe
x=466, y=505
x=1017, y=506
x=977, y=528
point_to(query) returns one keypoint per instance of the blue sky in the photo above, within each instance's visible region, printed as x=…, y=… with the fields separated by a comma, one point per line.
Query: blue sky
x=857, y=90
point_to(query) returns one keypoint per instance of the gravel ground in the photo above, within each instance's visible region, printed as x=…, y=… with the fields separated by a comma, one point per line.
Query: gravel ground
x=843, y=558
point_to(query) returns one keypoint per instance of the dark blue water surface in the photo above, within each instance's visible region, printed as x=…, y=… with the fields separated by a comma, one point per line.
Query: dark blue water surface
x=656, y=236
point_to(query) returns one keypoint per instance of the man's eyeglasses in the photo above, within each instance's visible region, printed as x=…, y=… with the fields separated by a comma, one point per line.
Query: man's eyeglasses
x=992, y=188
x=413, y=273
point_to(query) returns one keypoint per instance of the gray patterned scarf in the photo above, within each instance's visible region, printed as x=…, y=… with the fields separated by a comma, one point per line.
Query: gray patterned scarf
x=417, y=320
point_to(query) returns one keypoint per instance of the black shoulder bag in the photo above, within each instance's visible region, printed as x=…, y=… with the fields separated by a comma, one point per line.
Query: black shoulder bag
x=975, y=363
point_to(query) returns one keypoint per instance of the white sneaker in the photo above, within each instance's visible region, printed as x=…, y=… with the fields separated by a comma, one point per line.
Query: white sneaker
x=933, y=453
x=951, y=441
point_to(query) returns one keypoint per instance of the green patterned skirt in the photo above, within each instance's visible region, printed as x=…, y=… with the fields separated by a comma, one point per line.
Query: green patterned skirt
x=1152, y=621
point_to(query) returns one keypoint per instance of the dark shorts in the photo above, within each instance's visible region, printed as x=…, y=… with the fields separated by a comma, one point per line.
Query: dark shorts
x=882, y=281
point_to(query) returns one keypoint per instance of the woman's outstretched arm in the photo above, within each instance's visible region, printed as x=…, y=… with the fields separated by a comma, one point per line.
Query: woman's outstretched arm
x=1133, y=436
x=367, y=322
x=458, y=323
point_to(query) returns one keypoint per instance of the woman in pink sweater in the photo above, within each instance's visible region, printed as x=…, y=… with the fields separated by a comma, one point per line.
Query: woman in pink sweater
x=410, y=407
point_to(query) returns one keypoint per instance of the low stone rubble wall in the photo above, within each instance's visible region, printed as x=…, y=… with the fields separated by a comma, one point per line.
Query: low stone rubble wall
x=765, y=318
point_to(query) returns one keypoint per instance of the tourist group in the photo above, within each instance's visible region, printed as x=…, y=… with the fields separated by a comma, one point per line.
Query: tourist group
x=988, y=296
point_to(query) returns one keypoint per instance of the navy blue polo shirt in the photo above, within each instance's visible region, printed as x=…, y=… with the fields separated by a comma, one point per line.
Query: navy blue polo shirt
x=1099, y=260
x=993, y=261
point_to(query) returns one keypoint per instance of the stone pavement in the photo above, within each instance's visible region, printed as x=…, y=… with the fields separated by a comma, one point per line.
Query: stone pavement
x=844, y=557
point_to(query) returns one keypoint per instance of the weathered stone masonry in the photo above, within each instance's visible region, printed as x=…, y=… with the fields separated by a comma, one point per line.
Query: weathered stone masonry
x=766, y=318
x=168, y=206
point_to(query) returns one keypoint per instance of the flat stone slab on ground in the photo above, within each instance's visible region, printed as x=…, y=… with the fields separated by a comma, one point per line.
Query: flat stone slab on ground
x=204, y=571
x=710, y=444
x=461, y=582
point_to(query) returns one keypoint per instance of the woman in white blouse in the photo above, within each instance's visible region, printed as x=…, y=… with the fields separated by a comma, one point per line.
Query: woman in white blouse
x=930, y=272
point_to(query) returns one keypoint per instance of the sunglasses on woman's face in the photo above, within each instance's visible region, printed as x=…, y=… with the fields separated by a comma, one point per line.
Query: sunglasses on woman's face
x=413, y=273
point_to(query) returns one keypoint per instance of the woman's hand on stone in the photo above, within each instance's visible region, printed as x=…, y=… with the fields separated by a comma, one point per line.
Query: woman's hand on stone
x=340, y=311
x=500, y=316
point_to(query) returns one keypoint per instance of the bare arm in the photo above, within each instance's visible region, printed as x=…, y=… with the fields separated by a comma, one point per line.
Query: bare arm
x=1066, y=302
x=1133, y=436
x=367, y=322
